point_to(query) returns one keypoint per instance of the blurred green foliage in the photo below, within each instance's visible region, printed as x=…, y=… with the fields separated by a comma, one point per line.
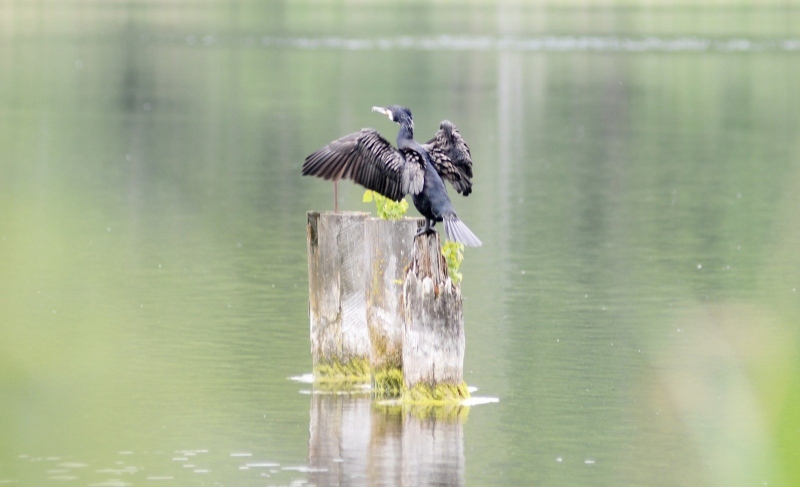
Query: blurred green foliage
x=387, y=209
x=453, y=253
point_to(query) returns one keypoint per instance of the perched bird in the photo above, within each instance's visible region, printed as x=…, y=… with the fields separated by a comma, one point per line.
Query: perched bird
x=412, y=168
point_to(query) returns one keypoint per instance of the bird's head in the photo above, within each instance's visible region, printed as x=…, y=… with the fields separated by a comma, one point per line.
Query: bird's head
x=396, y=113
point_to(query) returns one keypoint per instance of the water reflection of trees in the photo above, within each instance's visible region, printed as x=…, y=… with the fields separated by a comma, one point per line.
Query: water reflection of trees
x=354, y=441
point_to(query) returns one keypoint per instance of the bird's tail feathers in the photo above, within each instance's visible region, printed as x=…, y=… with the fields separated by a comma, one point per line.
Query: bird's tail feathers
x=457, y=231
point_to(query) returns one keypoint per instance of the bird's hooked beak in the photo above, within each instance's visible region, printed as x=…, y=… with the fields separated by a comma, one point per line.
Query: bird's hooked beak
x=384, y=111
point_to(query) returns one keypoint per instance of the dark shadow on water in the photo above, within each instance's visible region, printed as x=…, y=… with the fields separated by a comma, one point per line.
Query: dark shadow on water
x=354, y=440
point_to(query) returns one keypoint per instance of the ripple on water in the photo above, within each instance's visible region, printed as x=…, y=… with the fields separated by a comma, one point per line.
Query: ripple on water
x=537, y=43
x=261, y=465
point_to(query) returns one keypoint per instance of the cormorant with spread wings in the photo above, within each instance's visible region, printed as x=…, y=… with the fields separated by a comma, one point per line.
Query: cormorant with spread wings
x=412, y=168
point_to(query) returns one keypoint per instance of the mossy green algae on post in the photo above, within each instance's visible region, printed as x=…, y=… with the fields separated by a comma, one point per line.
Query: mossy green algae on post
x=442, y=393
x=388, y=382
x=333, y=371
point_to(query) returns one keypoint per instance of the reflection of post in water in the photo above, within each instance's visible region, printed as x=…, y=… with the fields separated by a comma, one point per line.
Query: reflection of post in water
x=339, y=438
x=354, y=442
x=433, y=446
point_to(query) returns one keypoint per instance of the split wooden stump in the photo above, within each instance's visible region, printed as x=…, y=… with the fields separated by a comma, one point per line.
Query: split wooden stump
x=433, y=338
x=382, y=305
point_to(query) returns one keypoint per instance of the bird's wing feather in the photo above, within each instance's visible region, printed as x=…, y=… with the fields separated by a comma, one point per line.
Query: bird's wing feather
x=413, y=171
x=369, y=160
x=451, y=157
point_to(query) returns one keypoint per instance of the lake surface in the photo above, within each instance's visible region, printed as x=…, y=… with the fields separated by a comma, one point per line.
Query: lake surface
x=635, y=305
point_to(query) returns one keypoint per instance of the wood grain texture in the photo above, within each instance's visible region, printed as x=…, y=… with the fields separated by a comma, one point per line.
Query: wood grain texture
x=434, y=341
x=389, y=246
x=336, y=281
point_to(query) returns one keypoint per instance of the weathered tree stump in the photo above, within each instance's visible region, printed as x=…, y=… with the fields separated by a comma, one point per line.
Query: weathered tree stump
x=340, y=344
x=389, y=244
x=433, y=340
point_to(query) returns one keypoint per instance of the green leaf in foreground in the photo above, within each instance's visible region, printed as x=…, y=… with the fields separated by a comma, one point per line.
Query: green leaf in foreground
x=453, y=253
x=387, y=209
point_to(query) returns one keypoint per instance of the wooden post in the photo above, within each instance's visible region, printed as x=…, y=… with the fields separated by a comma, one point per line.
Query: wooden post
x=389, y=244
x=433, y=341
x=337, y=309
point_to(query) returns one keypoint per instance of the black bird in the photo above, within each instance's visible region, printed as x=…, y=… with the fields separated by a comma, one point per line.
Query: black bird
x=411, y=168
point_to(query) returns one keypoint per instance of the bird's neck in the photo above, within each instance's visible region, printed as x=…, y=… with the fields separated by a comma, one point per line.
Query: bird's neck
x=405, y=140
x=405, y=137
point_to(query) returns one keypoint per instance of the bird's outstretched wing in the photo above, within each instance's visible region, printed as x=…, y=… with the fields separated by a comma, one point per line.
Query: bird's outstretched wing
x=451, y=157
x=371, y=161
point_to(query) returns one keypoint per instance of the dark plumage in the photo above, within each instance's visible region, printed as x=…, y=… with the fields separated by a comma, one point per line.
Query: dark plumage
x=451, y=157
x=411, y=168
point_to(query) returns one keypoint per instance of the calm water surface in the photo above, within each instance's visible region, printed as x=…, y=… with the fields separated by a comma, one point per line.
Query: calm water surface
x=634, y=306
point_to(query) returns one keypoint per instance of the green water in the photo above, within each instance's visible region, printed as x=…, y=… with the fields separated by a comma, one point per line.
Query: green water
x=634, y=306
